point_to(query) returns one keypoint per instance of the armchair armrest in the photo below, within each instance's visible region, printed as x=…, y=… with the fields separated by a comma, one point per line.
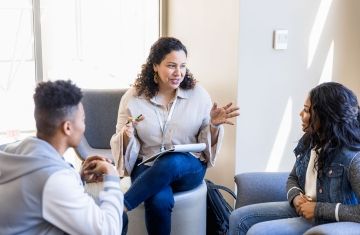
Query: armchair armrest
x=83, y=150
x=335, y=228
x=258, y=187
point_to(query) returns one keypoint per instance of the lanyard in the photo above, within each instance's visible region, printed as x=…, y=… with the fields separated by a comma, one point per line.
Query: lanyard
x=164, y=125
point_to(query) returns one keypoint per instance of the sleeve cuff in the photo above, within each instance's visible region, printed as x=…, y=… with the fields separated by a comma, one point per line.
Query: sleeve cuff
x=292, y=193
x=217, y=127
x=111, y=182
x=337, y=212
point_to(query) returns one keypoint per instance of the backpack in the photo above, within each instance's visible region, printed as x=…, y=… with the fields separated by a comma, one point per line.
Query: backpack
x=218, y=210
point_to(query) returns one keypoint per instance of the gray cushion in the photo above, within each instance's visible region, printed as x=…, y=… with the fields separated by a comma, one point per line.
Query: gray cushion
x=257, y=187
x=101, y=108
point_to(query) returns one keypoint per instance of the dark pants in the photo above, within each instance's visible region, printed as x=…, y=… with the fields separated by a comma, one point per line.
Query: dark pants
x=125, y=223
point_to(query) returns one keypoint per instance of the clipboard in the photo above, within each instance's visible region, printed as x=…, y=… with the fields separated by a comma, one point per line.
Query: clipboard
x=199, y=147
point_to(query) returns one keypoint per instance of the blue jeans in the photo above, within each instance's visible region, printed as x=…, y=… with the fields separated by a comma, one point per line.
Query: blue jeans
x=155, y=185
x=267, y=218
x=125, y=221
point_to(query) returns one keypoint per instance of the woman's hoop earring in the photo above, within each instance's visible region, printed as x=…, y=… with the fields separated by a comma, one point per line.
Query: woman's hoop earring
x=156, y=78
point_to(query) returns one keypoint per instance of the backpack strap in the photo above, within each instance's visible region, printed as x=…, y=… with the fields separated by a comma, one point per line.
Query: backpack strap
x=211, y=185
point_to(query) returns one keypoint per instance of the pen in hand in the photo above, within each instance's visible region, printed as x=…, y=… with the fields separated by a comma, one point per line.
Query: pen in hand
x=129, y=127
x=137, y=119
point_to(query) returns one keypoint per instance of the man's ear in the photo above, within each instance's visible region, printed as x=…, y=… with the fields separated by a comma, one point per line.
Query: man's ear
x=66, y=128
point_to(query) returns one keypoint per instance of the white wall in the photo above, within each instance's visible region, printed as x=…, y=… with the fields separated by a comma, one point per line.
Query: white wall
x=324, y=44
x=230, y=53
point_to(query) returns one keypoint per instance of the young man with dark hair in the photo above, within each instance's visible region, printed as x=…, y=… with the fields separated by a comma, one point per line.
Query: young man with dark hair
x=40, y=193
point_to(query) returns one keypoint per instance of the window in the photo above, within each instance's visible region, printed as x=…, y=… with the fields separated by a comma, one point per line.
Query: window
x=95, y=43
x=98, y=44
x=17, y=69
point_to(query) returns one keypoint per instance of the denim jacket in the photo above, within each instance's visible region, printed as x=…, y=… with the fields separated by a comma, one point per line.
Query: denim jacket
x=340, y=183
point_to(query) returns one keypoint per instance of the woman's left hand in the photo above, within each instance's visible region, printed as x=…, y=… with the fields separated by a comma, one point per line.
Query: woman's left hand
x=307, y=210
x=221, y=115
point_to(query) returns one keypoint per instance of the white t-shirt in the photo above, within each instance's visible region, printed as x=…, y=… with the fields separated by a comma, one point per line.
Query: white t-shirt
x=311, y=177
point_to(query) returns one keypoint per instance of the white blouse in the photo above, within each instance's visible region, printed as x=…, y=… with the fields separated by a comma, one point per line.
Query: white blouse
x=311, y=177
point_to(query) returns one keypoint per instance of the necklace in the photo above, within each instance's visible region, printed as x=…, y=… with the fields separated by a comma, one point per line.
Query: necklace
x=163, y=122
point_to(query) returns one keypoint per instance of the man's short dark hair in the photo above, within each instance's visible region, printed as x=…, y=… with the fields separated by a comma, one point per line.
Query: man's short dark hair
x=55, y=101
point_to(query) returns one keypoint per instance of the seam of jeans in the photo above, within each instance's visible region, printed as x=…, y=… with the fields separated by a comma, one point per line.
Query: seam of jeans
x=242, y=226
x=139, y=177
x=127, y=205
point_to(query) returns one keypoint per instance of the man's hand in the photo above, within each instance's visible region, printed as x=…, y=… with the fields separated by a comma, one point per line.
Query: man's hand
x=94, y=167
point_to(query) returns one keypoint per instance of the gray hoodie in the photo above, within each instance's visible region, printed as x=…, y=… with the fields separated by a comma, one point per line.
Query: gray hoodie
x=24, y=169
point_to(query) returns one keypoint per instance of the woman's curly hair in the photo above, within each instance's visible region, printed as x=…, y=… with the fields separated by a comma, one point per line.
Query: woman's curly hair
x=144, y=83
x=334, y=122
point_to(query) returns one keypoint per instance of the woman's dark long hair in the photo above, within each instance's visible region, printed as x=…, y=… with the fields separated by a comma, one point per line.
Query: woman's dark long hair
x=145, y=83
x=334, y=122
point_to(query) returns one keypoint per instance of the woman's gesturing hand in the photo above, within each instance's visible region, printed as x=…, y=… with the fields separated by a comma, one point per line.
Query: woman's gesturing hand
x=221, y=115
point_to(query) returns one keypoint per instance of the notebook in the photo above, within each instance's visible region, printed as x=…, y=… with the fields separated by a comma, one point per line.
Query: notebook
x=199, y=147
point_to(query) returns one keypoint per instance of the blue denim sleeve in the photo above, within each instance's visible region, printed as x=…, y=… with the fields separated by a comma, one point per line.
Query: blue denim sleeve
x=345, y=212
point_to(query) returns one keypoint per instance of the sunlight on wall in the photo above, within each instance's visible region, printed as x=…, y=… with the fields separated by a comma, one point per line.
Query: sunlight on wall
x=283, y=133
x=282, y=136
x=326, y=74
x=317, y=29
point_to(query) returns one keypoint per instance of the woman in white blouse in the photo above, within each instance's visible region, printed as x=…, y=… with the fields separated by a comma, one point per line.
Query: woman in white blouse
x=166, y=107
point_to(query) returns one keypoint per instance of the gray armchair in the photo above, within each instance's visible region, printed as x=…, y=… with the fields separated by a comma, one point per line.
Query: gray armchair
x=101, y=108
x=258, y=187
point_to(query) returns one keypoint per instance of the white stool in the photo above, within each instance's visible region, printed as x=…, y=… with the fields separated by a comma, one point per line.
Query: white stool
x=188, y=215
